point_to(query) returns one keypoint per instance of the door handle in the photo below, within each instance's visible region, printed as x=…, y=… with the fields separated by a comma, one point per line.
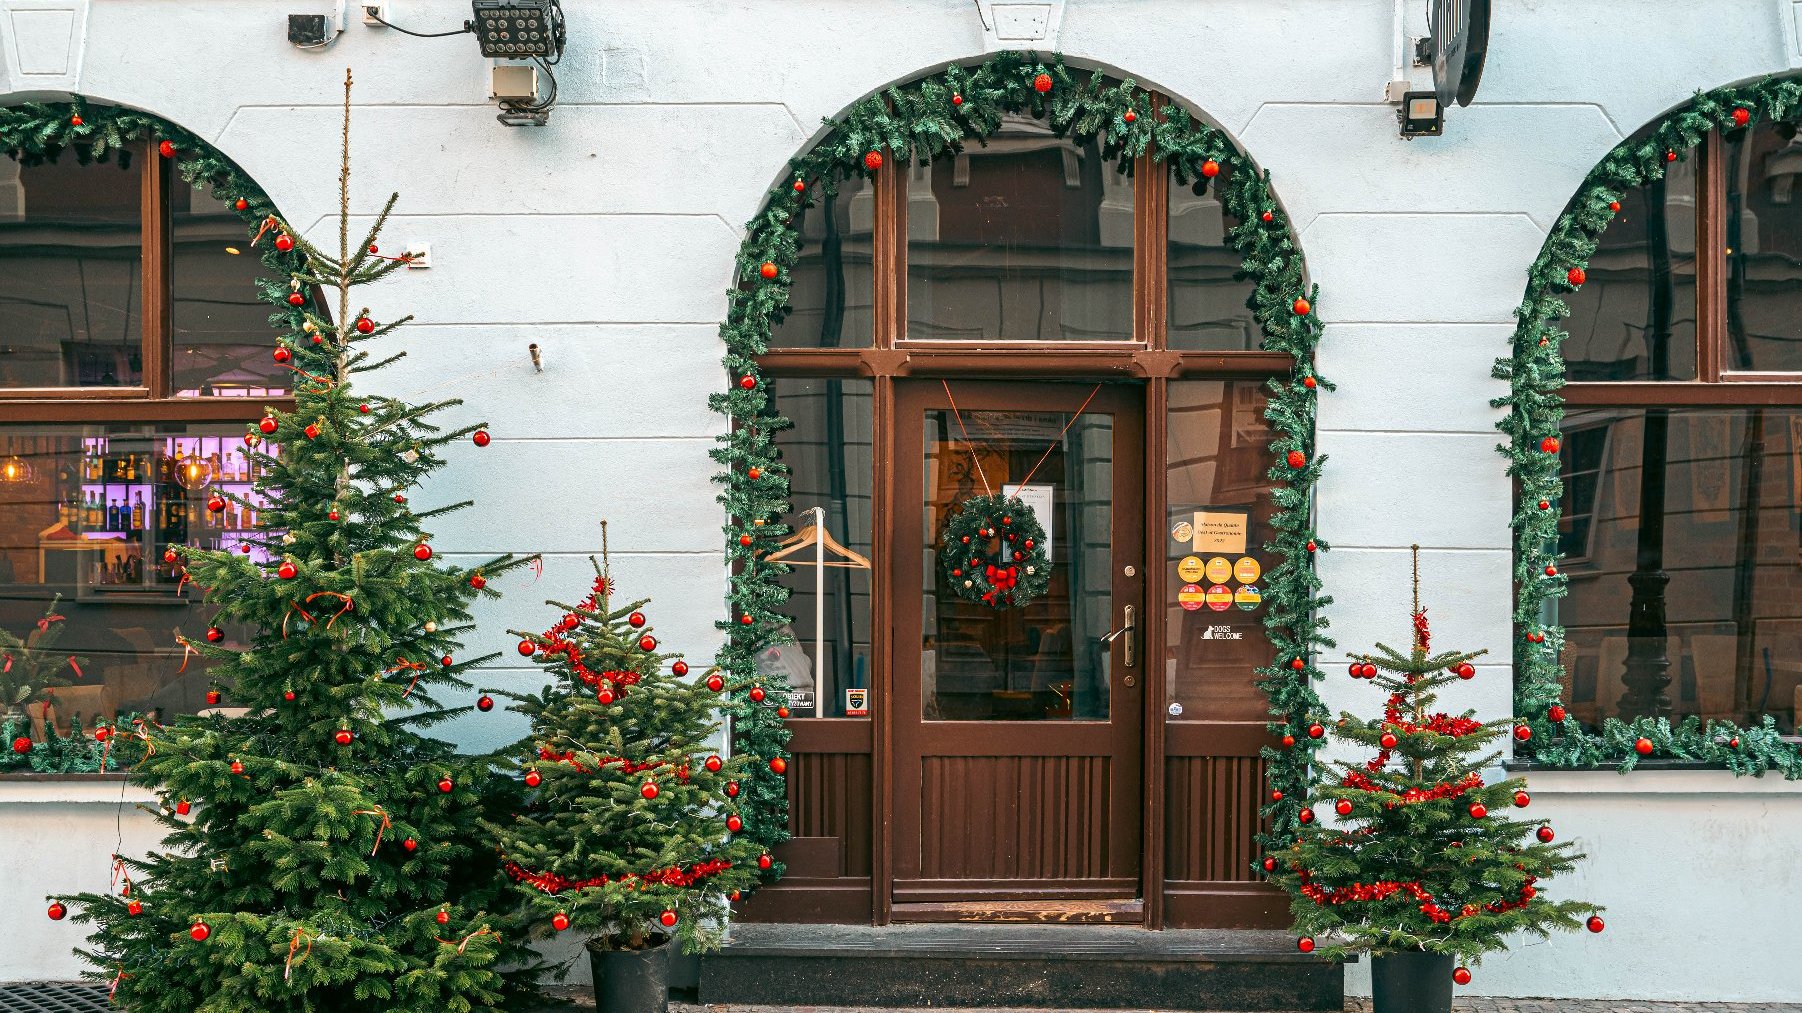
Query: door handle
x=1128, y=629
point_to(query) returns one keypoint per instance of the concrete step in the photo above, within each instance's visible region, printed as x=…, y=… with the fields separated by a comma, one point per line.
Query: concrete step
x=1001, y=966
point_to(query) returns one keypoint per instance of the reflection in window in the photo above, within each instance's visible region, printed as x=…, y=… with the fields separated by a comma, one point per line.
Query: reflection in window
x=1215, y=564
x=829, y=455
x=85, y=513
x=1026, y=238
x=1691, y=599
x=222, y=337
x=70, y=293
x=1208, y=297
x=1049, y=659
x=1764, y=249
x=831, y=289
x=1634, y=318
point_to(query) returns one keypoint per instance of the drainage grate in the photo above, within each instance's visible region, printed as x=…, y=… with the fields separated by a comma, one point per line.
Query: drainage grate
x=52, y=997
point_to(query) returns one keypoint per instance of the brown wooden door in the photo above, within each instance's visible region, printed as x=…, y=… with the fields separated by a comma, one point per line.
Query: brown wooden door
x=1017, y=733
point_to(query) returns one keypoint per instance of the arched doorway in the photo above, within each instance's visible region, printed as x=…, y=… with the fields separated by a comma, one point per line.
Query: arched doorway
x=1022, y=280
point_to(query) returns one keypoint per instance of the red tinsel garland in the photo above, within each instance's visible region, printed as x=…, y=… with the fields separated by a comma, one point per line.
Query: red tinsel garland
x=602, y=762
x=556, y=643
x=1385, y=889
x=675, y=875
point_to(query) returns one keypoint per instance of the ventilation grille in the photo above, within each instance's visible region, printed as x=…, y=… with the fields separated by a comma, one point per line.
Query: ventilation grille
x=49, y=997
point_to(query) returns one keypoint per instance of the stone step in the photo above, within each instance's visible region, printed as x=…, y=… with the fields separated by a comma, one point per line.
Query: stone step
x=999, y=966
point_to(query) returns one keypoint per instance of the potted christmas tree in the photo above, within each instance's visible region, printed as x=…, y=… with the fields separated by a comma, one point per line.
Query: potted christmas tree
x=630, y=834
x=322, y=853
x=1411, y=855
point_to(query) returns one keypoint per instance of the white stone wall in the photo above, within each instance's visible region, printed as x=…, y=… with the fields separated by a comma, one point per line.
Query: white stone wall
x=608, y=239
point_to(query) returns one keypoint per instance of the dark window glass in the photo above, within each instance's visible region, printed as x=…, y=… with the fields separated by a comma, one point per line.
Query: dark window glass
x=1696, y=513
x=1764, y=249
x=1215, y=566
x=1634, y=318
x=1581, y=459
x=1207, y=292
x=1026, y=238
x=222, y=333
x=85, y=513
x=828, y=452
x=70, y=290
x=830, y=287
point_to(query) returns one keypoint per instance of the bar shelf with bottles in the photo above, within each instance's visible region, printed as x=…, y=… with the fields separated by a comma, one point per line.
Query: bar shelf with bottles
x=130, y=495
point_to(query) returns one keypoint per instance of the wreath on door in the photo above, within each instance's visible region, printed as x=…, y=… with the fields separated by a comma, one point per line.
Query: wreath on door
x=994, y=552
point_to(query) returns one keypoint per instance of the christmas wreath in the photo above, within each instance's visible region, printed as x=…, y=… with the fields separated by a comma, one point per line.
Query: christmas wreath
x=994, y=552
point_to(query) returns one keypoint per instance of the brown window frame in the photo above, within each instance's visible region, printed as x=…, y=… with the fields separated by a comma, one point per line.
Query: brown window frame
x=153, y=400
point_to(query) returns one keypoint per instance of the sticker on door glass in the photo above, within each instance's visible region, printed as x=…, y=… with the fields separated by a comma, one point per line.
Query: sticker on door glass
x=1183, y=532
x=1190, y=597
x=1248, y=597
x=1219, y=570
x=1246, y=570
x=1190, y=569
x=1220, y=598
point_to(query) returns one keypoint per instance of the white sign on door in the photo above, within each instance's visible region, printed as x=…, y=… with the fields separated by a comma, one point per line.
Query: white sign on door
x=1043, y=501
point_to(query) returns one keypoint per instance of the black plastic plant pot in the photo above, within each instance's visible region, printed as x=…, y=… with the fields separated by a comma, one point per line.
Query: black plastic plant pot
x=1412, y=981
x=633, y=981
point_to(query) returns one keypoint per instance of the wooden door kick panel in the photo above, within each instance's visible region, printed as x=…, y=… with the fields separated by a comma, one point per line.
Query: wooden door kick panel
x=1038, y=912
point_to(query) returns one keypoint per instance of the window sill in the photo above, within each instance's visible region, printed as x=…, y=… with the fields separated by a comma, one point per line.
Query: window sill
x=1651, y=778
x=24, y=788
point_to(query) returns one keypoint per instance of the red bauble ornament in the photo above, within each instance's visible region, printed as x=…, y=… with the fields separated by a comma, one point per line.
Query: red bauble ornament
x=216, y=503
x=1344, y=808
x=135, y=908
x=1550, y=444
x=769, y=270
x=1288, y=741
x=284, y=242
x=1297, y=459
x=1309, y=382
x=1306, y=815
x=1041, y=83
x=237, y=767
x=1388, y=741
x=764, y=861
x=800, y=186
x=483, y=702
x=1461, y=975
x=363, y=408
x=1370, y=671
x=1305, y=944
x=872, y=160
x=526, y=648
x=534, y=779
x=1478, y=810
x=22, y=745
x=1643, y=747
x=1670, y=156
x=778, y=764
x=212, y=700
x=57, y=912
x=199, y=932
x=679, y=668
x=734, y=824
x=1551, y=571
x=422, y=551
x=1614, y=205
x=1315, y=731
x=1130, y=116
x=1741, y=117
x=286, y=571
x=1522, y=800
x=169, y=556
x=166, y=149
x=753, y=474
x=447, y=661
x=604, y=695
x=214, y=634
x=747, y=382
x=1210, y=169
x=1276, y=796
x=1733, y=743
x=745, y=540
x=757, y=694
x=296, y=299
x=1522, y=732
x=343, y=736
x=559, y=921
x=478, y=581
x=956, y=99
x=183, y=807
x=288, y=696
x=1302, y=307
x=731, y=789
x=102, y=733
x=1269, y=864
x=282, y=354
x=636, y=619
x=1297, y=664
x=782, y=712
x=1595, y=923
x=267, y=425
x=240, y=204
x=479, y=437
x=445, y=785
x=733, y=896
x=1465, y=671
x=715, y=683
x=365, y=325
x=75, y=121
x=442, y=917
x=667, y=918
x=647, y=643
x=1556, y=714
x=1575, y=276
x=649, y=790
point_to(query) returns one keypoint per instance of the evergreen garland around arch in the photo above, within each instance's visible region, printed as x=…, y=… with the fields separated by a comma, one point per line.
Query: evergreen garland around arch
x=928, y=118
x=1534, y=410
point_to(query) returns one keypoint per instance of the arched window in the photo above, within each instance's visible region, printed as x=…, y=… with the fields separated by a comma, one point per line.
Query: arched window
x=134, y=346
x=1059, y=312
x=1671, y=585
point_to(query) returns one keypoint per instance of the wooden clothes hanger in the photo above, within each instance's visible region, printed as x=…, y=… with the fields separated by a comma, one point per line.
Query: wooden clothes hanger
x=815, y=534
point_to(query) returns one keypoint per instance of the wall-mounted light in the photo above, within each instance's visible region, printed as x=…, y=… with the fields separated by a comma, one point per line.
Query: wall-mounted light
x=525, y=38
x=1421, y=115
x=15, y=469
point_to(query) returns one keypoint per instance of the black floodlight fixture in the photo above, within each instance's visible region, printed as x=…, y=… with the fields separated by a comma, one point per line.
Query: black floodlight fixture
x=519, y=29
x=1422, y=115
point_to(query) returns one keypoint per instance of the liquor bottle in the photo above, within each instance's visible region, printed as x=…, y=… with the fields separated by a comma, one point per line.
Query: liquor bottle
x=112, y=515
x=231, y=514
x=250, y=517
x=131, y=467
x=137, y=512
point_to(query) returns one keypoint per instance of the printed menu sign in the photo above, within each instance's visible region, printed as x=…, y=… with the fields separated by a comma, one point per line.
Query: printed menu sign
x=1221, y=531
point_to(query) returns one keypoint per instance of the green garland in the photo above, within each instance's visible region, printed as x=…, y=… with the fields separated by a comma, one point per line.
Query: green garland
x=929, y=118
x=970, y=566
x=1534, y=411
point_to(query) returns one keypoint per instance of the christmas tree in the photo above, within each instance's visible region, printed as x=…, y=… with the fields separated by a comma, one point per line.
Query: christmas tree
x=322, y=854
x=31, y=667
x=1423, y=854
x=631, y=830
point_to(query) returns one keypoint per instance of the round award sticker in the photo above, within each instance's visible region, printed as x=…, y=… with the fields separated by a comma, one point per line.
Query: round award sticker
x=1247, y=570
x=1220, y=598
x=1189, y=568
x=1219, y=570
x=1248, y=597
x=1190, y=597
x=1183, y=532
